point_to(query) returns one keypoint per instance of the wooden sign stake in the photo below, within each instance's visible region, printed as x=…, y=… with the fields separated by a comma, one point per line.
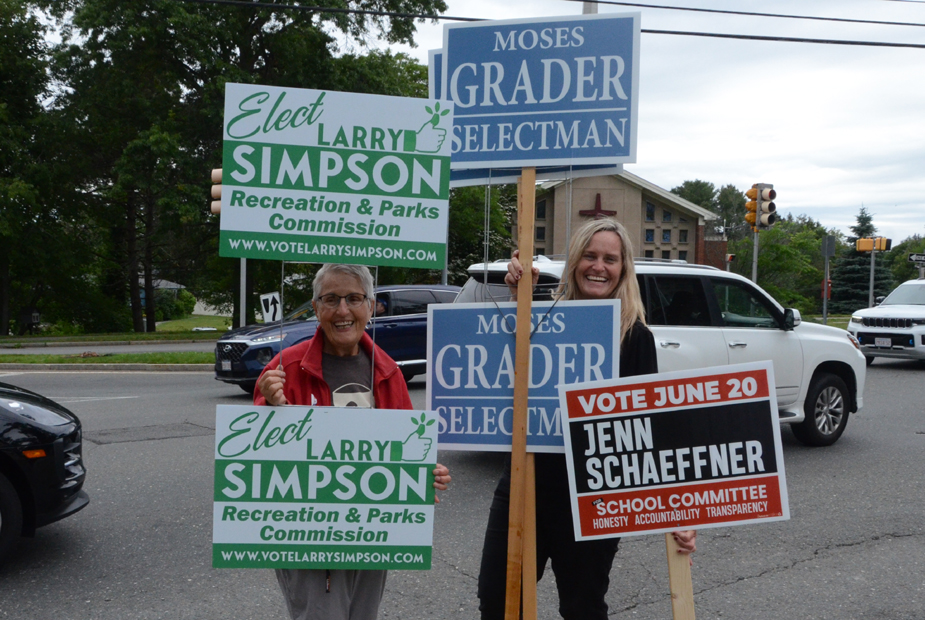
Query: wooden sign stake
x=526, y=192
x=679, y=581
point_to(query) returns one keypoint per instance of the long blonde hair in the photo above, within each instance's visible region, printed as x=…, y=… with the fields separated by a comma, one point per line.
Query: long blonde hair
x=627, y=291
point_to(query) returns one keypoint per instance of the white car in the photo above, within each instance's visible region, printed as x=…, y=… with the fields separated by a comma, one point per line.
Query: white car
x=703, y=317
x=896, y=327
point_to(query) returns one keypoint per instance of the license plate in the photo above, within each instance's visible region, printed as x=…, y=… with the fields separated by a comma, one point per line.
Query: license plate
x=226, y=364
x=883, y=342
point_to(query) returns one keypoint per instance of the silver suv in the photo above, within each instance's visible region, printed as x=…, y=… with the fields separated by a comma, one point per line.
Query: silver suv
x=703, y=317
x=896, y=327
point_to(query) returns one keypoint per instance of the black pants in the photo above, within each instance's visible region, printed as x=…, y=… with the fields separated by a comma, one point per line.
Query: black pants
x=582, y=569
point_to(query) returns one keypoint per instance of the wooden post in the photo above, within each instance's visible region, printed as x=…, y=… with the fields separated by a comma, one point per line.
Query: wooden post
x=526, y=193
x=679, y=581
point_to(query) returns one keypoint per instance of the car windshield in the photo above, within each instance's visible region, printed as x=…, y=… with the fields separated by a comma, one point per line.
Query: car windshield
x=911, y=294
x=304, y=312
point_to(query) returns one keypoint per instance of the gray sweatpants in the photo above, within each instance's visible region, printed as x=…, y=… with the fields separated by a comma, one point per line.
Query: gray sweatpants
x=353, y=595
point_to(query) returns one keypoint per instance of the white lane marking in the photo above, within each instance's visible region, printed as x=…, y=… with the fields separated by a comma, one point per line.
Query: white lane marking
x=86, y=399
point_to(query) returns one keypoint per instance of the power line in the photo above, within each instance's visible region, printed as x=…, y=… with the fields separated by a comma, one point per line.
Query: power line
x=756, y=37
x=752, y=14
x=748, y=37
x=327, y=9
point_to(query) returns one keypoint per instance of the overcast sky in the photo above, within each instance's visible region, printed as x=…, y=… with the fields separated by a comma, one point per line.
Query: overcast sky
x=833, y=127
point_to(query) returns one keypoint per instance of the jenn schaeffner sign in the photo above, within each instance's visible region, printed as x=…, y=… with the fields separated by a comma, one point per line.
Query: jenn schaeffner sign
x=470, y=368
x=323, y=487
x=675, y=451
x=325, y=176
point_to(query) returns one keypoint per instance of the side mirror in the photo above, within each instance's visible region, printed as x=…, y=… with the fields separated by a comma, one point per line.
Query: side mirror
x=792, y=318
x=878, y=299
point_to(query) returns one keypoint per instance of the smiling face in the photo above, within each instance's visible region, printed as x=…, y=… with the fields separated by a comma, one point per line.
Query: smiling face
x=600, y=267
x=343, y=326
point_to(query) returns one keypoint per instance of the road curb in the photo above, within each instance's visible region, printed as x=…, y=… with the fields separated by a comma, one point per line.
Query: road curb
x=113, y=367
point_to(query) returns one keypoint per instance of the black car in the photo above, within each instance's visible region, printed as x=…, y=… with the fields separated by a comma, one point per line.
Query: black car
x=399, y=327
x=41, y=465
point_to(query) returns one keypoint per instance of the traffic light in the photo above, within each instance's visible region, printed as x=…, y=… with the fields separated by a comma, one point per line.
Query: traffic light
x=864, y=245
x=762, y=211
x=216, y=206
x=882, y=244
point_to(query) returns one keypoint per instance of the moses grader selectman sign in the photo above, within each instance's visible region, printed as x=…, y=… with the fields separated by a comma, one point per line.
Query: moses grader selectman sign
x=324, y=176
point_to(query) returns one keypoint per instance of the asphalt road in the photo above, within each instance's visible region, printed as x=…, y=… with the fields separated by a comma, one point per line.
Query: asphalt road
x=853, y=549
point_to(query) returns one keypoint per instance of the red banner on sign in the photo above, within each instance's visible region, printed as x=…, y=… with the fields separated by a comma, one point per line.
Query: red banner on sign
x=684, y=507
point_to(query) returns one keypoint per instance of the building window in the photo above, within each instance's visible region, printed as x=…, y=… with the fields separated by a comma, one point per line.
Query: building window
x=650, y=253
x=666, y=254
x=682, y=236
x=650, y=235
x=682, y=254
x=666, y=236
x=682, y=219
x=650, y=212
x=540, y=250
x=666, y=215
x=541, y=233
x=541, y=210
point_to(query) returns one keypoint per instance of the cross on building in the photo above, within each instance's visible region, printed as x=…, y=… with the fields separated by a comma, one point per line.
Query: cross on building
x=597, y=212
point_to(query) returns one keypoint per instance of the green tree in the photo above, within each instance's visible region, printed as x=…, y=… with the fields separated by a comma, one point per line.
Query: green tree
x=790, y=262
x=701, y=193
x=897, y=259
x=146, y=123
x=467, y=237
x=851, y=273
x=730, y=206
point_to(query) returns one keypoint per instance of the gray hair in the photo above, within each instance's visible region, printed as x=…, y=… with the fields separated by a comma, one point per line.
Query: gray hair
x=360, y=272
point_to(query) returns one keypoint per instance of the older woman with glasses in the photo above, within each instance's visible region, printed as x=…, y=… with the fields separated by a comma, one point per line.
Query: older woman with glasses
x=340, y=366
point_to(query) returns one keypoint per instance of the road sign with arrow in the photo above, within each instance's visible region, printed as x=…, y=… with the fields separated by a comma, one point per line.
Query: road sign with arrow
x=272, y=310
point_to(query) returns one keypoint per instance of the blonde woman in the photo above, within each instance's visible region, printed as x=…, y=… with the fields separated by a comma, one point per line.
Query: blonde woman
x=599, y=266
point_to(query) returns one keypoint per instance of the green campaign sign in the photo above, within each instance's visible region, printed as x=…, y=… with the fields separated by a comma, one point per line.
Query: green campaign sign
x=323, y=487
x=326, y=176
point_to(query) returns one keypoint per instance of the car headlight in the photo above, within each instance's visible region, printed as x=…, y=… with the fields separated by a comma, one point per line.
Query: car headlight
x=854, y=341
x=273, y=338
x=856, y=318
x=918, y=321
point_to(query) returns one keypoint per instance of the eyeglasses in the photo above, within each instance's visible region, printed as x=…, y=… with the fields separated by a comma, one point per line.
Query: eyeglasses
x=332, y=301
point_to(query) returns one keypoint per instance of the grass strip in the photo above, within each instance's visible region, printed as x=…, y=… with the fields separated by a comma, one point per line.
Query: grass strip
x=182, y=357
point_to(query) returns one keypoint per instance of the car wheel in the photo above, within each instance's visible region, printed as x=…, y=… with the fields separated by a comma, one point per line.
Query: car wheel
x=248, y=387
x=869, y=359
x=10, y=517
x=826, y=410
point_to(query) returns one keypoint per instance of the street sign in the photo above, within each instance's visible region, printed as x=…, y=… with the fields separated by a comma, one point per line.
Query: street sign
x=543, y=91
x=270, y=304
x=917, y=258
x=828, y=245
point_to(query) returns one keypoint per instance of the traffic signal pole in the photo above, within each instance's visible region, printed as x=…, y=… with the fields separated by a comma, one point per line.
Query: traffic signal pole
x=755, y=259
x=873, y=258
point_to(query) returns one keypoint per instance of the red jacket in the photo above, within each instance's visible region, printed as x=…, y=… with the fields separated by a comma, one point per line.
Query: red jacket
x=305, y=383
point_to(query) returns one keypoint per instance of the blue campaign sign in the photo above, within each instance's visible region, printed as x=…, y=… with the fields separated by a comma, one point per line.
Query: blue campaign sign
x=543, y=91
x=470, y=368
x=495, y=176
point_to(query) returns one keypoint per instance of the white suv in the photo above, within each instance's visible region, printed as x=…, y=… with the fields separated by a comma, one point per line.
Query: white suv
x=896, y=327
x=702, y=317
